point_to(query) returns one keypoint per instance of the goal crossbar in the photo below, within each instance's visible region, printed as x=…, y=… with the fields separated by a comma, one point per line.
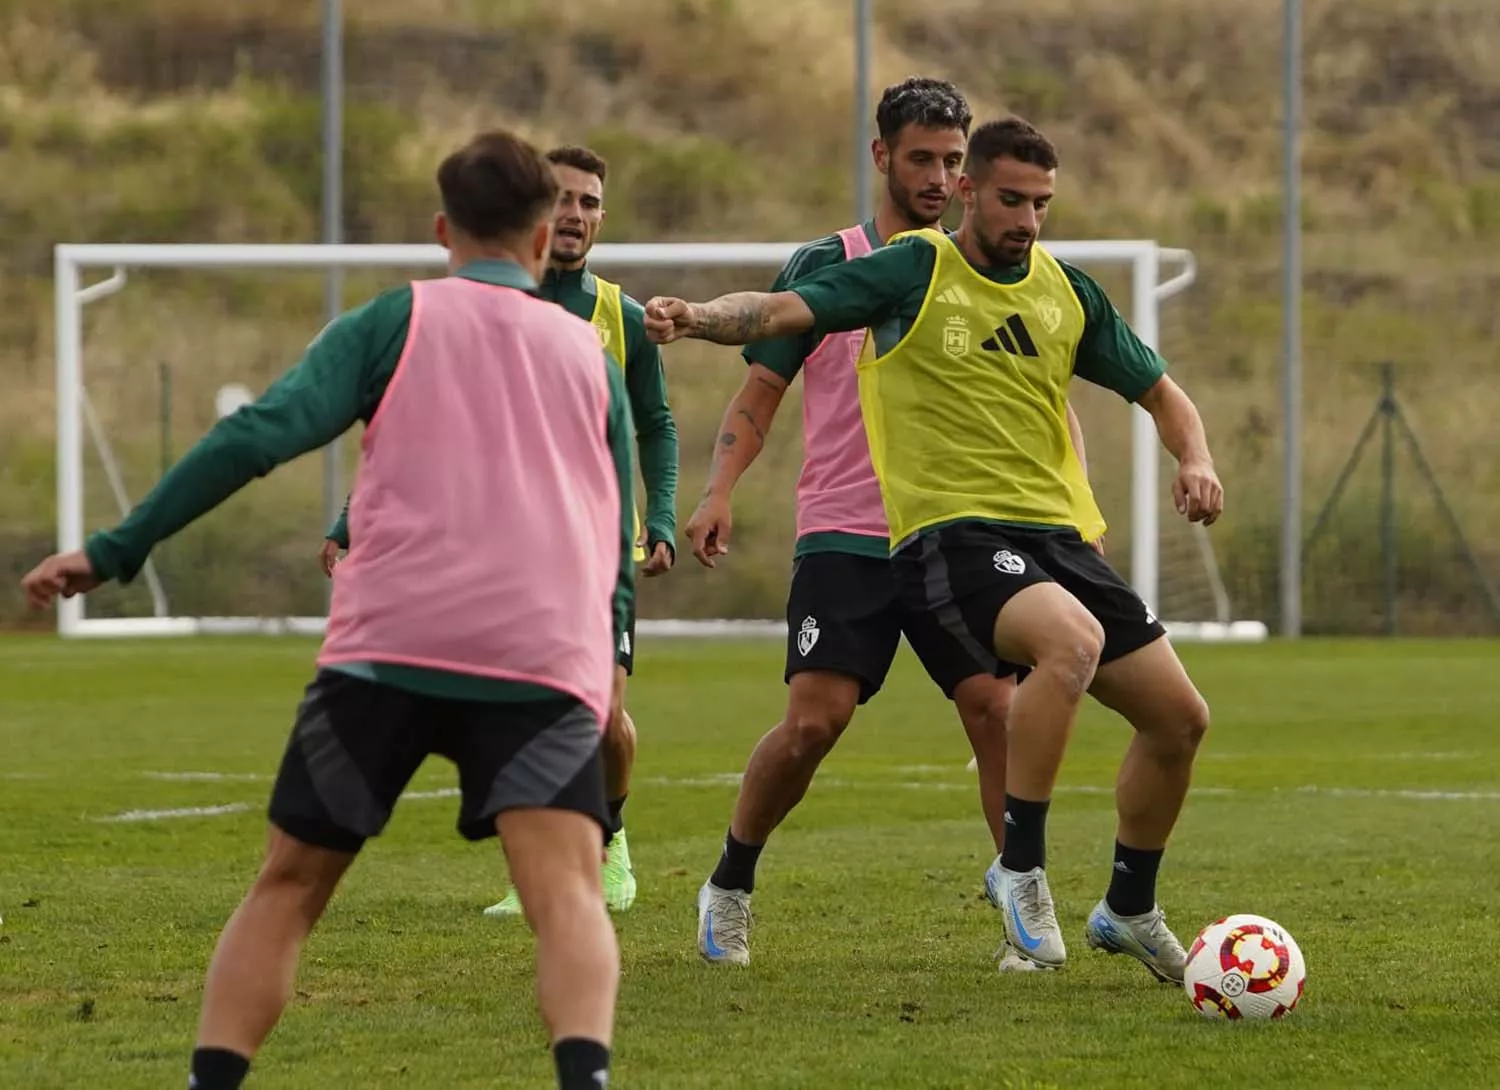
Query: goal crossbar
x=1145, y=258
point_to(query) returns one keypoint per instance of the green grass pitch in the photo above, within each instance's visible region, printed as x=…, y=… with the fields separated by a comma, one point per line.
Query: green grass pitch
x=1350, y=791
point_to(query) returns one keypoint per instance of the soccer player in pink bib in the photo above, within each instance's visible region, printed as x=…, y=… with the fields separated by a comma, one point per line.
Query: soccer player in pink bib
x=485, y=409
x=844, y=621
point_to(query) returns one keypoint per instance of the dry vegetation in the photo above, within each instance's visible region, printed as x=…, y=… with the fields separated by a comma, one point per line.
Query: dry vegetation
x=168, y=120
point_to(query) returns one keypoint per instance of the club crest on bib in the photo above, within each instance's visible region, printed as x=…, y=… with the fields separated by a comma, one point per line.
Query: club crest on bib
x=602, y=328
x=956, y=336
x=807, y=636
x=1051, y=314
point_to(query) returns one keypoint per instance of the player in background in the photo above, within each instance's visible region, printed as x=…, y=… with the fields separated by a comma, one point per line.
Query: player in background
x=844, y=621
x=619, y=320
x=962, y=384
x=486, y=411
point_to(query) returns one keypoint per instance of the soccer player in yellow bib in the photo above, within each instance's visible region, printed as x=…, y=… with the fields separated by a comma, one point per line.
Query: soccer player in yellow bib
x=963, y=385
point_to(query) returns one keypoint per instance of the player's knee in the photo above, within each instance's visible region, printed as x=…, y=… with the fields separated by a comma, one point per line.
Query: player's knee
x=813, y=732
x=1194, y=719
x=619, y=730
x=983, y=705
x=1071, y=652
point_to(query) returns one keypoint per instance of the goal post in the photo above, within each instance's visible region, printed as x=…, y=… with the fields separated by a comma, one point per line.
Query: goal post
x=77, y=423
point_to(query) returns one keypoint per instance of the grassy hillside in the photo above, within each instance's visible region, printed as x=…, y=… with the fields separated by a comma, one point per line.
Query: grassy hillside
x=162, y=120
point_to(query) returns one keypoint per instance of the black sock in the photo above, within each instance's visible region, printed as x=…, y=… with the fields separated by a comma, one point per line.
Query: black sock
x=616, y=807
x=1132, y=884
x=217, y=1069
x=736, y=869
x=1025, y=834
x=581, y=1064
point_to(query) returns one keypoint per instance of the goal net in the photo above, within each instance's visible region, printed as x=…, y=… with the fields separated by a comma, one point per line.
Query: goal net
x=154, y=343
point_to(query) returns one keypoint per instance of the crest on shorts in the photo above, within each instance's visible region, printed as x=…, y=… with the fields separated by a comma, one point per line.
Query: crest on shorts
x=1049, y=312
x=1009, y=562
x=807, y=635
x=956, y=336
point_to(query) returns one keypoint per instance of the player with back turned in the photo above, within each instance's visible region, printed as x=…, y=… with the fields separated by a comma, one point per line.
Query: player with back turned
x=486, y=410
x=619, y=319
x=962, y=383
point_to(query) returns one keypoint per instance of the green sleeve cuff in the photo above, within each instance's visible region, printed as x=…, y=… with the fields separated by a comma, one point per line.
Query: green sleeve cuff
x=108, y=560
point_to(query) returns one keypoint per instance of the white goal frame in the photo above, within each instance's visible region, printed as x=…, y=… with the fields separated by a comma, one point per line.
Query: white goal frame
x=75, y=413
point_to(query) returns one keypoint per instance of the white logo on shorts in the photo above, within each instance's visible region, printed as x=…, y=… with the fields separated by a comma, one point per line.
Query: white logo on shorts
x=807, y=635
x=1009, y=562
x=624, y=643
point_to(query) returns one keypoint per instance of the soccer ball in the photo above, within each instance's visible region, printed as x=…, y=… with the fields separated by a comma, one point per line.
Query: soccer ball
x=1246, y=967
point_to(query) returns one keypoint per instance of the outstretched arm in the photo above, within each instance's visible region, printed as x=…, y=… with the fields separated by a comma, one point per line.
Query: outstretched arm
x=851, y=295
x=1196, y=492
x=738, y=318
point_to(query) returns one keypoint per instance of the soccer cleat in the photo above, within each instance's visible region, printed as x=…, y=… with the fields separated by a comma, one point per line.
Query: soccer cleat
x=509, y=906
x=1145, y=938
x=619, y=878
x=1025, y=902
x=723, y=925
x=619, y=883
x=1008, y=961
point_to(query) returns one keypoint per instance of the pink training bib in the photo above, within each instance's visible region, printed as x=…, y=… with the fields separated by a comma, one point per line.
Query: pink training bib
x=486, y=517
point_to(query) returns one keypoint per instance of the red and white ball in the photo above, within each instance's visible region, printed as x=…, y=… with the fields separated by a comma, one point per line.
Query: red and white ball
x=1244, y=967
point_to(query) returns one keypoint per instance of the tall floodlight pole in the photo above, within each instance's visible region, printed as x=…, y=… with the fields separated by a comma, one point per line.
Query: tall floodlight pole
x=333, y=215
x=862, y=182
x=1291, y=291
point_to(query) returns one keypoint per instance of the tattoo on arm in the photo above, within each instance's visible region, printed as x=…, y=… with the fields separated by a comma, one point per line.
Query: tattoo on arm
x=759, y=434
x=739, y=318
x=727, y=439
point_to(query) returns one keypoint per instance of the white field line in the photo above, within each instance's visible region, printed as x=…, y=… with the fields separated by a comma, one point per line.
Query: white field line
x=729, y=779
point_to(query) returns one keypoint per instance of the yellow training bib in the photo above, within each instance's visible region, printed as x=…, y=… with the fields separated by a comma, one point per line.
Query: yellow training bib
x=967, y=414
x=609, y=321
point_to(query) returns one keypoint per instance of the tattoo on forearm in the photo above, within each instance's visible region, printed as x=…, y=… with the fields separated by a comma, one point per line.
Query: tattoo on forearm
x=759, y=434
x=728, y=439
x=733, y=319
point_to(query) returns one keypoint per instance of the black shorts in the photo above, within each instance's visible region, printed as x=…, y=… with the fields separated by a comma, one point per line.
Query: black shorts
x=961, y=575
x=356, y=745
x=843, y=616
x=625, y=652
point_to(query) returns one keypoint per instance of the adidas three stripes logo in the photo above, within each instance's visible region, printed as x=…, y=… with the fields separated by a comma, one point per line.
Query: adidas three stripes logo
x=1012, y=337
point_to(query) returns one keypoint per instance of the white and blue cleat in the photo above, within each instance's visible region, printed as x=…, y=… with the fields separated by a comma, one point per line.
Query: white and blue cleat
x=1145, y=938
x=723, y=925
x=1033, y=939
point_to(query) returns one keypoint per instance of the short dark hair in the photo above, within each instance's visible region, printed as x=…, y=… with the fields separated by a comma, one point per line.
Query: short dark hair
x=580, y=158
x=931, y=103
x=496, y=186
x=1011, y=138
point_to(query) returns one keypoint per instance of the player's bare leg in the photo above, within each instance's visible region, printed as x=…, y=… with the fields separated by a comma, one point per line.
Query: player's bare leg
x=618, y=750
x=1150, y=688
x=553, y=856
x=983, y=705
x=619, y=759
x=781, y=767
x=255, y=962
x=1046, y=626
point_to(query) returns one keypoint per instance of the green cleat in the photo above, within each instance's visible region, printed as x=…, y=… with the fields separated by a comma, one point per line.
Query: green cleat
x=619, y=883
x=510, y=906
x=619, y=878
